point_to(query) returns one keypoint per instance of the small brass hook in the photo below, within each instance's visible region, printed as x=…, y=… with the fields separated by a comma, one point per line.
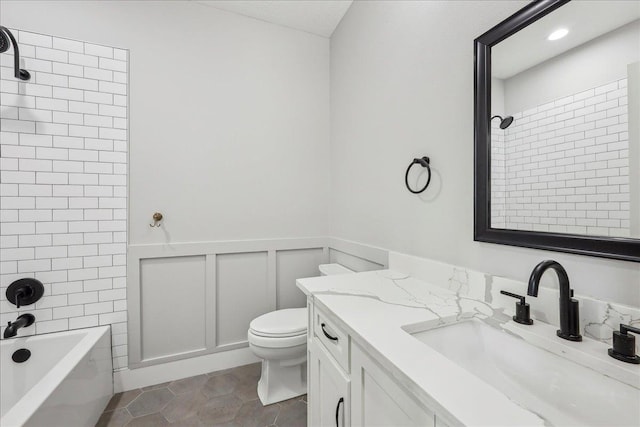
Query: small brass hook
x=157, y=217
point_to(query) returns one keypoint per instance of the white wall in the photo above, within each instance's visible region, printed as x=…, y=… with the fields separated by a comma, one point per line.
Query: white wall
x=229, y=120
x=229, y=116
x=402, y=87
x=576, y=70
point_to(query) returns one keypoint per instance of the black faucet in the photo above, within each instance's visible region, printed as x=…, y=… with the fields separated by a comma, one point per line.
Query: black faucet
x=22, y=321
x=569, y=314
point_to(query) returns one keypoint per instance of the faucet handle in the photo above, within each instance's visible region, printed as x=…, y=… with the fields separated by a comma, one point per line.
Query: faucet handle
x=523, y=312
x=18, y=297
x=628, y=328
x=624, y=345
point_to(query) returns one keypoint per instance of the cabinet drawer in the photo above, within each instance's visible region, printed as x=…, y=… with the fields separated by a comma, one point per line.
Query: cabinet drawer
x=332, y=337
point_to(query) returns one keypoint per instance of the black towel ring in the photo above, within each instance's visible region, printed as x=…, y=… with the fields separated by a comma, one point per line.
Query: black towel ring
x=424, y=162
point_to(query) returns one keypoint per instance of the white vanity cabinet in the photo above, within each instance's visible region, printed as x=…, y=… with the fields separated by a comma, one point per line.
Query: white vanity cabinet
x=377, y=400
x=328, y=378
x=348, y=388
x=328, y=389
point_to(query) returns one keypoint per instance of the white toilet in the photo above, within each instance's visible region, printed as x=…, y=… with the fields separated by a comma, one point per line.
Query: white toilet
x=279, y=338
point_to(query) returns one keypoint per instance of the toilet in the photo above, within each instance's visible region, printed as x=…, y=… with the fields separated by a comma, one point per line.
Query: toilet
x=279, y=338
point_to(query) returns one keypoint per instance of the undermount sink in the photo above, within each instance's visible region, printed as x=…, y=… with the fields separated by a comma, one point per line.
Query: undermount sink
x=558, y=390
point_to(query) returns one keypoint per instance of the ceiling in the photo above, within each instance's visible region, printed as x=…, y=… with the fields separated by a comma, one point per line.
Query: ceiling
x=585, y=21
x=320, y=17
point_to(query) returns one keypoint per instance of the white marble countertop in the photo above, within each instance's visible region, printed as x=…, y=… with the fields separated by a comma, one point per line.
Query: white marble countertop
x=374, y=307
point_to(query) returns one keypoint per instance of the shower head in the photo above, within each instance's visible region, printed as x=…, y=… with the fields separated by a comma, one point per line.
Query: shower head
x=6, y=38
x=4, y=42
x=504, y=123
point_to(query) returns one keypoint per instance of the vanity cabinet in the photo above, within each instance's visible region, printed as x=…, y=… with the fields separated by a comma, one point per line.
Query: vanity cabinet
x=348, y=388
x=377, y=400
x=328, y=397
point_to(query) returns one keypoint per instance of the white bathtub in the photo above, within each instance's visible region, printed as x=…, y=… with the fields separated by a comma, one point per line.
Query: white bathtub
x=66, y=382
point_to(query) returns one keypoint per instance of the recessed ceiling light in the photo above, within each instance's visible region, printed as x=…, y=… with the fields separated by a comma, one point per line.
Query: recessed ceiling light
x=558, y=34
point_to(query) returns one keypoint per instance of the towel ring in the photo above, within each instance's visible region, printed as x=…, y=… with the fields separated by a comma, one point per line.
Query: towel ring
x=424, y=162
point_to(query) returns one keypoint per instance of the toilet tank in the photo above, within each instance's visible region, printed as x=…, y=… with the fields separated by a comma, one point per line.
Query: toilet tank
x=333, y=269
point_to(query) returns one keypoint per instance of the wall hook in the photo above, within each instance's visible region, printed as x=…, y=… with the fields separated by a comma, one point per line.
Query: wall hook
x=424, y=162
x=157, y=218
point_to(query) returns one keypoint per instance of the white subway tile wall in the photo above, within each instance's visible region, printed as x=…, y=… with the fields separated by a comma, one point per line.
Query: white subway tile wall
x=498, y=207
x=566, y=166
x=63, y=178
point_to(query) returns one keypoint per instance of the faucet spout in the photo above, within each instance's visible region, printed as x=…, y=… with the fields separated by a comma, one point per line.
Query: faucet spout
x=22, y=321
x=569, y=311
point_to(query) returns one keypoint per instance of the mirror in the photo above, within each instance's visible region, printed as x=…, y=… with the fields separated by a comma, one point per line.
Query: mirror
x=557, y=129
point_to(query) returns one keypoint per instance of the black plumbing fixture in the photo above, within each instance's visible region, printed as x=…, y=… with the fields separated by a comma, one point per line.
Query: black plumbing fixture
x=523, y=310
x=24, y=291
x=424, y=162
x=21, y=355
x=569, y=312
x=504, y=122
x=5, y=36
x=624, y=345
x=22, y=321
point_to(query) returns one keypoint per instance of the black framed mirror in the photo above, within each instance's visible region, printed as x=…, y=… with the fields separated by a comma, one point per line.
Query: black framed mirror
x=557, y=161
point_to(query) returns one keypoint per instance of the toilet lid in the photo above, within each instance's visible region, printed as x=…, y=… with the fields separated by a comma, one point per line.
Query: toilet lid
x=281, y=323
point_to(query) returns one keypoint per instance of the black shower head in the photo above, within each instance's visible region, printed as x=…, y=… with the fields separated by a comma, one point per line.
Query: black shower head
x=4, y=42
x=7, y=38
x=504, y=123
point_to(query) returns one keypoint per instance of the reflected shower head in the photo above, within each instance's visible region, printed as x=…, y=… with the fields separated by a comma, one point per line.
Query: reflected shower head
x=7, y=38
x=504, y=123
x=4, y=42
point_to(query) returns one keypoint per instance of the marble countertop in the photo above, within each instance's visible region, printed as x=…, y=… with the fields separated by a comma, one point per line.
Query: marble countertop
x=375, y=306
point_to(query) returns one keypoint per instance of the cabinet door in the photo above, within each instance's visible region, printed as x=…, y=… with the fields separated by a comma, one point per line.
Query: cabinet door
x=377, y=400
x=328, y=390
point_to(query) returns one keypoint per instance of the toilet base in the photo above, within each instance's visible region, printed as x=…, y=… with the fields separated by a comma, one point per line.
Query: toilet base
x=282, y=380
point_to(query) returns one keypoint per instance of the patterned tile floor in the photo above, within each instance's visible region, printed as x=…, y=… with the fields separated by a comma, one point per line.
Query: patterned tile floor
x=225, y=398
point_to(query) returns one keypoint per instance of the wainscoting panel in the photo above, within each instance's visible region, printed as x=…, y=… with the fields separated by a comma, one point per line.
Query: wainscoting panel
x=353, y=262
x=292, y=265
x=191, y=299
x=243, y=293
x=172, y=305
x=356, y=256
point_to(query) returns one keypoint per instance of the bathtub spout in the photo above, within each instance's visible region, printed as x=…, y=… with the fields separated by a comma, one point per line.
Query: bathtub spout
x=22, y=321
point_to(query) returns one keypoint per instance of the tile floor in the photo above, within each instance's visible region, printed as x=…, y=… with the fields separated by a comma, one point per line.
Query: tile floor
x=224, y=398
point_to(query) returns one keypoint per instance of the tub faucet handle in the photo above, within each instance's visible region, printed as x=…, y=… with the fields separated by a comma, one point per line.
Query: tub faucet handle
x=19, y=296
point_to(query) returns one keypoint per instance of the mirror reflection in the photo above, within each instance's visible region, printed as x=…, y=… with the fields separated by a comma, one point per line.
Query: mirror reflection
x=565, y=123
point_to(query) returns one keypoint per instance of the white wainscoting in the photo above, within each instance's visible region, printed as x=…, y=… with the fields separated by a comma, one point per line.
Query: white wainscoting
x=356, y=256
x=192, y=299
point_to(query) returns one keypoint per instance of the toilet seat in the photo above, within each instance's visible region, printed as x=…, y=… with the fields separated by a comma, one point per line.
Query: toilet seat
x=279, y=324
x=277, y=342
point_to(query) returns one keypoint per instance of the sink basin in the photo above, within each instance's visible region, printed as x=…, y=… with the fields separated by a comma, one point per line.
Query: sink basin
x=558, y=390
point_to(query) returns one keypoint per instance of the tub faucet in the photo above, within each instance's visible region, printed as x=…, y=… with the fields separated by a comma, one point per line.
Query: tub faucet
x=569, y=314
x=22, y=321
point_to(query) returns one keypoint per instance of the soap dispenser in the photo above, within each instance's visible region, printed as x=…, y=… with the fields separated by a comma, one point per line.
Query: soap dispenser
x=624, y=345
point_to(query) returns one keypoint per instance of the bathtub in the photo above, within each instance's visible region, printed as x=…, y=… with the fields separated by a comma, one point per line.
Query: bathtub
x=67, y=381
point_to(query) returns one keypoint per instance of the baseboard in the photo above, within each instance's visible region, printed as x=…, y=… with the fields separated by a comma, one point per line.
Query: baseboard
x=129, y=379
